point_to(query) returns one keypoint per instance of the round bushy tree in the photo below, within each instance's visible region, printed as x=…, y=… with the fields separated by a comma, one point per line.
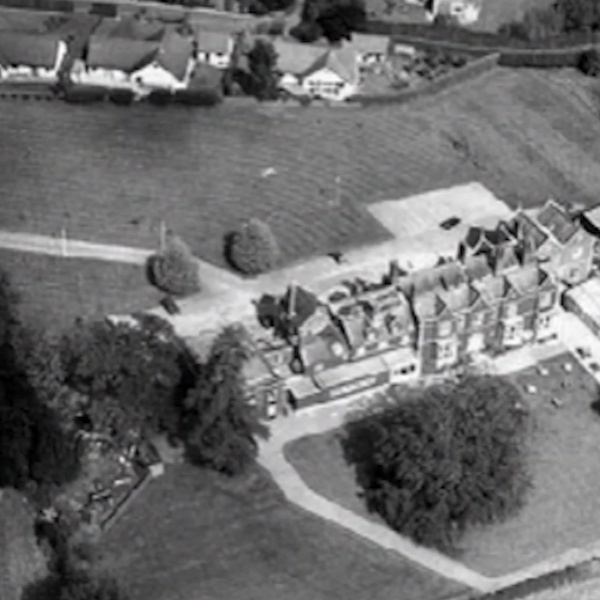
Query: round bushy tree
x=253, y=248
x=443, y=459
x=589, y=63
x=175, y=270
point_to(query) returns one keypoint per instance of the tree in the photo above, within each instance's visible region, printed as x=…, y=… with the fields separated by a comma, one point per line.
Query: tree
x=443, y=459
x=590, y=63
x=579, y=15
x=253, y=249
x=221, y=426
x=131, y=373
x=336, y=18
x=262, y=60
x=76, y=585
x=174, y=270
x=34, y=445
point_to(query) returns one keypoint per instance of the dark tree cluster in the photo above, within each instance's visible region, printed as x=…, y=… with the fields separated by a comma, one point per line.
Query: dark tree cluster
x=132, y=375
x=445, y=458
x=221, y=428
x=333, y=19
x=36, y=451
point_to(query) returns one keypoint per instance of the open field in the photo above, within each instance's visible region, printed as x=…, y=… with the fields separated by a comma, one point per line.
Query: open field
x=194, y=535
x=54, y=291
x=113, y=173
x=563, y=509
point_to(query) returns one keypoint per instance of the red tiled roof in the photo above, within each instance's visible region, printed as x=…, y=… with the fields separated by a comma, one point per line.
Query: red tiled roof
x=120, y=54
x=528, y=229
x=477, y=267
x=174, y=54
x=525, y=279
x=341, y=61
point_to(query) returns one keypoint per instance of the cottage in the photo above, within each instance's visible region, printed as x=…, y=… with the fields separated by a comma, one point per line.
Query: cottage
x=214, y=48
x=333, y=76
x=371, y=49
x=138, y=65
x=28, y=57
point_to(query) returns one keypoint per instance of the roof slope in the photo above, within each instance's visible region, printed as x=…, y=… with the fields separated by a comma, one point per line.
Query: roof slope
x=174, y=54
x=28, y=49
x=341, y=61
x=555, y=219
x=120, y=54
x=296, y=58
x=212, y=41
x=130, y=28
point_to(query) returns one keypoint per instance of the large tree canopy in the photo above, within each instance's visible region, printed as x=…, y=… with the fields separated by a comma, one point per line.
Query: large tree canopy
x=221, y=426
x=335, y=19
x=131, y=373
x=443, y=459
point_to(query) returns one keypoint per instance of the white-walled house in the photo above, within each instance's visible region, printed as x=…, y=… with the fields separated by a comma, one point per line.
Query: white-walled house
x=333, y=76
x=214, y=48
x=142, y=66
x=29, y=57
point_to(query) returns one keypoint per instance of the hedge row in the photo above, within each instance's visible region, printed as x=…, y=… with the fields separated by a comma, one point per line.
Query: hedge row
x=45, y=5
x=454, y=34
x=542, y=59
x=470, y=71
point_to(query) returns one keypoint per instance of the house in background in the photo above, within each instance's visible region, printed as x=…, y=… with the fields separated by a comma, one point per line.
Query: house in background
x=29, y=57
x=214, y=48
x=139, y=65
x=463, y=12
x=372, y=50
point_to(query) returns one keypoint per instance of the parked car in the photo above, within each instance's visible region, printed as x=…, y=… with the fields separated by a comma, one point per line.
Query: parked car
x=583, y=353
x=450, y=223
x=594, y=367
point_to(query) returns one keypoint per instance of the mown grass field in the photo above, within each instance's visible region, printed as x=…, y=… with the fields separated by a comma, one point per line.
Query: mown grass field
x=113, y=173
x=563, y=508
x=194, y=535
x=54, y=291
x=497, y=12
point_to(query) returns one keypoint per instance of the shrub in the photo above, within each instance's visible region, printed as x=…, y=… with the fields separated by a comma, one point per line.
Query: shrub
x=443, y=459
x=199, y=97
x=81, y=95
x=160, y=97
x=175, y=269
x=253, y=249
x=121, y=97
x=589, y=63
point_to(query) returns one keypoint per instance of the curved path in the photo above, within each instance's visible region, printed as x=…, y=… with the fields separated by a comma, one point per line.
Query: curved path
x=321, y=418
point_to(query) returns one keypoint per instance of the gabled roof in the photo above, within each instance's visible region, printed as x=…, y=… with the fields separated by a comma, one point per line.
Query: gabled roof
x=174, y=54
x=130, y=28
x=321, y=347
x=506, y=256
x=341, y=61
x=554, y=218
x=457, y=298
x=28, y=49
x=213, y=41
x=368, y=43
x=528, y=229
x=428, y=305
x=525, y=279
x=296, y=58
x=120, y=54
x=477, y=267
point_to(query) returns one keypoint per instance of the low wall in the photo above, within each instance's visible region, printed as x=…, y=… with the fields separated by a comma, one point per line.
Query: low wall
x=469, y=71
x=120, y=508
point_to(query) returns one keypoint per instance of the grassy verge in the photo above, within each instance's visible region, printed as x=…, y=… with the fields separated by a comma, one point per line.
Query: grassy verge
x=54, y=290
x=196, y=535
x=562, y=509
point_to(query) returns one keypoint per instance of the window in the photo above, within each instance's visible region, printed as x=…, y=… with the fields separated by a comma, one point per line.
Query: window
x=446, y=352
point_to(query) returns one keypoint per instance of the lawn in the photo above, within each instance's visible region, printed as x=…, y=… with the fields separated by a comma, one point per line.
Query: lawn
x=195, y=535
x=54, y=290
x=497, y=12
x=563, y=508
x=115, y=172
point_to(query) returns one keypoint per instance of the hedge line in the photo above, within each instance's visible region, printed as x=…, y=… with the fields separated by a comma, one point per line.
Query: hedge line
x=45, y=5
x=492, y=41
x=471, y=70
